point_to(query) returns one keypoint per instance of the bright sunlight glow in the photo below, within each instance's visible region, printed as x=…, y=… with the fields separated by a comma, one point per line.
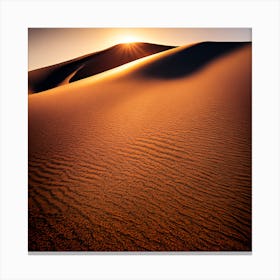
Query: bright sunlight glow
x=128, y=39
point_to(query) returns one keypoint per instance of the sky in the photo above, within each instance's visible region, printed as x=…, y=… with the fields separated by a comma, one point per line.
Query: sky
x=48, y=46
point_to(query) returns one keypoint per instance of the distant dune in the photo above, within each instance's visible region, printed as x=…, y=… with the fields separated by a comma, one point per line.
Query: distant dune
x=88, y=65
x=154, y=155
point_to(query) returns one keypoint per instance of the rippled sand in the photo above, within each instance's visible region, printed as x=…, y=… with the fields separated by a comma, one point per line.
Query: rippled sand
x=124, y=161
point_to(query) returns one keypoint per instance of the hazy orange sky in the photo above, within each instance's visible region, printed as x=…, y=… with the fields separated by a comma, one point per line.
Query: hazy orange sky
x=47, y=46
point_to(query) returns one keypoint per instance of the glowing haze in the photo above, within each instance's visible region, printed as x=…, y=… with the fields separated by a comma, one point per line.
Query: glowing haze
x=48, y=46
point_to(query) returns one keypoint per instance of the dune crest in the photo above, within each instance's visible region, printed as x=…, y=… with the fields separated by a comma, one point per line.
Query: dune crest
x=89, y=65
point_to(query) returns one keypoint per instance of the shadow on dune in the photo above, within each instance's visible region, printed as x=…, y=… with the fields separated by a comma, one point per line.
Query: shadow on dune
x=92, y=64
x=188, y=60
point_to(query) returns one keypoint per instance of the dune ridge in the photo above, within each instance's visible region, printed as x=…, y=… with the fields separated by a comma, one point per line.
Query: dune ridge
x=79, y=68
x=137, y=162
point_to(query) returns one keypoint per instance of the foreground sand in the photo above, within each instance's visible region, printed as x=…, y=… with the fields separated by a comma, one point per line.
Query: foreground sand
x=128, y=160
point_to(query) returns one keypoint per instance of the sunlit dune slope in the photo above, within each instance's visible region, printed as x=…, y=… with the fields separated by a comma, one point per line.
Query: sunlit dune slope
x=88, y=65
x=145, y=157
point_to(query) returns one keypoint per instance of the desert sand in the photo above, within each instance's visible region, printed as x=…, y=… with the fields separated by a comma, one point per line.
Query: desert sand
x=154, y=155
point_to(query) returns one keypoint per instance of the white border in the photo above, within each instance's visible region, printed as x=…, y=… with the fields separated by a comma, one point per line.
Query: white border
x=262, y=16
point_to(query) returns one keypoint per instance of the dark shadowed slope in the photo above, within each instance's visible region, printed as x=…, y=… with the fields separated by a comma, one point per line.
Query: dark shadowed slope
x=86, y=66
x=185, y=60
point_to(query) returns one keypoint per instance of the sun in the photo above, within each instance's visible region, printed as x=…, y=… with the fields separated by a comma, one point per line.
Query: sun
x=128, y=39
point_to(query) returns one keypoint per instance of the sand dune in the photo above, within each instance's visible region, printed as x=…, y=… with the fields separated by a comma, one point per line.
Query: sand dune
x=88, y=65
x=145, y=157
